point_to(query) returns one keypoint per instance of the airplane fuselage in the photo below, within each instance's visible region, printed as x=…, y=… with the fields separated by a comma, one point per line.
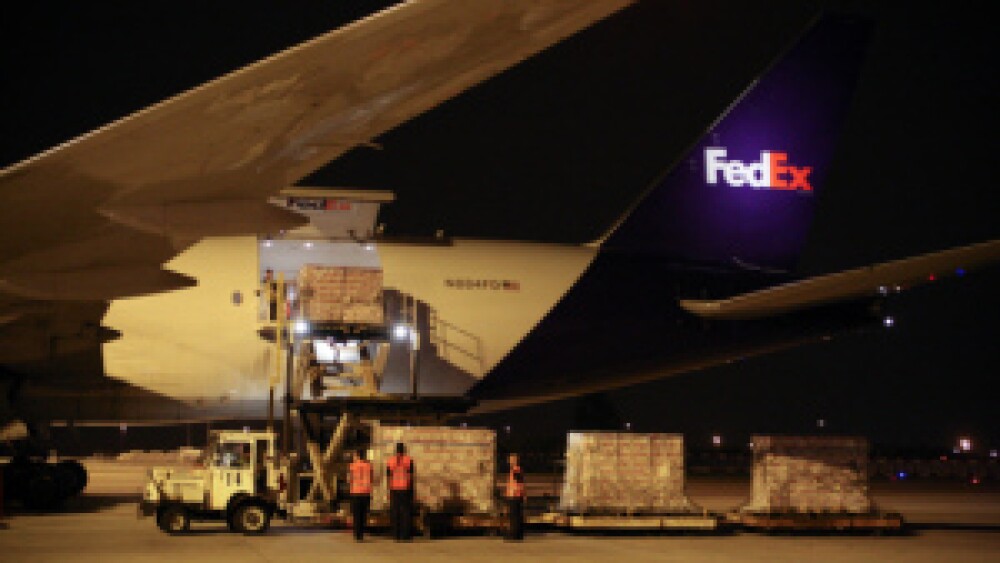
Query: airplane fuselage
x=201, y=345
x=520, y=322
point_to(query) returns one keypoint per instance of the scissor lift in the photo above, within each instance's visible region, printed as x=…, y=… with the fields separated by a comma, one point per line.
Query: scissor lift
x=325, y=404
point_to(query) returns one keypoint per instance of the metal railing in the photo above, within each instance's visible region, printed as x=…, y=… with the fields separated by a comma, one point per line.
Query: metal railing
x=439, y=332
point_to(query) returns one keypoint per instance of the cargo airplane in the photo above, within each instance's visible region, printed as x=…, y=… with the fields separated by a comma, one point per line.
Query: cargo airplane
x=139, y=299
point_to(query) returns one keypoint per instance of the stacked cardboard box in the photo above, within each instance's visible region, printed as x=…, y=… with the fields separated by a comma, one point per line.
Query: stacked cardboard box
x=454, y=467
x=341, y=294
x=810, y=474
x=631, y=473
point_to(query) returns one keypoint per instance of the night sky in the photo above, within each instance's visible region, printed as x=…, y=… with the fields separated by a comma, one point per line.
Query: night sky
x=558, y=147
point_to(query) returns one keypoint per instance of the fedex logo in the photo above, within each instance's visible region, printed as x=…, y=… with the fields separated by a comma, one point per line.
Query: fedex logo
x=772, y=171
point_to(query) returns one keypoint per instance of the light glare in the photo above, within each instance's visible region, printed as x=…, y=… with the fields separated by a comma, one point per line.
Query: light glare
x=400, y=331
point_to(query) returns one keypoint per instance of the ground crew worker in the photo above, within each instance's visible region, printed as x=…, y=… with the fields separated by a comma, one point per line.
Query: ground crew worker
x=360, y=475
x=271, y=292
x=399, y=471
x=365, y=371
x=515, y=494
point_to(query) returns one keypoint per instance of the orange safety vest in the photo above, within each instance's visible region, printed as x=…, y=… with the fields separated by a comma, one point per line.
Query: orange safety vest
x=515, y=488
x=399, y=472
x=361, y=477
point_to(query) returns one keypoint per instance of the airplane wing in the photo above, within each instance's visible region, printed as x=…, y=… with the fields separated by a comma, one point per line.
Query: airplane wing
x=95, y=217
x=859, y=283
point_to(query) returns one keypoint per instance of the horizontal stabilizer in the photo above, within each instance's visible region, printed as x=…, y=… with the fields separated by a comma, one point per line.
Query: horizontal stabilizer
x=847, y=285
x=206, y=218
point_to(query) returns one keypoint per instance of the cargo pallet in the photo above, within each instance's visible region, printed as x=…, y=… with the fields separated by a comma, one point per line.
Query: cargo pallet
x=683, y=522
x=875, y=522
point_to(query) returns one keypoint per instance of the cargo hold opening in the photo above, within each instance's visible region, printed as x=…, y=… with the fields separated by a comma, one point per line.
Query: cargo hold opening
x=340, y=233
x=331, y=276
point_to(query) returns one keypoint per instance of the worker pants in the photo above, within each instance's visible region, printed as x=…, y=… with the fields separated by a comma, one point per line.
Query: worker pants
x=359, y=514
x=401, y=514
x=515, y=518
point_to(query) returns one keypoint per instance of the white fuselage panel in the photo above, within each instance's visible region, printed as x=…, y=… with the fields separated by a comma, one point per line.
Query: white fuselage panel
x=202, y=343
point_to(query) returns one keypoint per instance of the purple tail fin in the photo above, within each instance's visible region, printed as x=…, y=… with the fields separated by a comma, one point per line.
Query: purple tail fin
x=744, y=195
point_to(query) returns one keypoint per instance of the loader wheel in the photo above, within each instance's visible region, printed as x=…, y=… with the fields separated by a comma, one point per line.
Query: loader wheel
x=252, y=518
x=174, y=520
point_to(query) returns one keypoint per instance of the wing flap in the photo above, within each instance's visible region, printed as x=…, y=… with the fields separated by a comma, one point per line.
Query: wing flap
x=205, y=218
x=869, y=281
x=94, y=284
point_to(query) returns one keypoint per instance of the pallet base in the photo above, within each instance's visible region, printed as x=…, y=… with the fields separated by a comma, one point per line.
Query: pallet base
x=635, y=522
x=818, y=522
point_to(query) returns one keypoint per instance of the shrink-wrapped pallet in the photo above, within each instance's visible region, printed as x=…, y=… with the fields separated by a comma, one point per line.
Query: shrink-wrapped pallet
x=362, y=314
x=454, y=467
x=610, y=472
x=810, y=475
x=341, y=294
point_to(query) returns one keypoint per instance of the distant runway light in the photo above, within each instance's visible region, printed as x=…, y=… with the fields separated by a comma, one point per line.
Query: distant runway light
x=931, y=277
x=888, y=322
x=628, y=426
x=821, y=422
x=975, y=480
x=960, y=272
x=993, y=453
x=901, y=475
x=716, y=440
x=965, y=444
x=883, y=290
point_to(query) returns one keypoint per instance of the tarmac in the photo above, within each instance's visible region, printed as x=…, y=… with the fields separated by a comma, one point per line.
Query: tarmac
x=949, y=522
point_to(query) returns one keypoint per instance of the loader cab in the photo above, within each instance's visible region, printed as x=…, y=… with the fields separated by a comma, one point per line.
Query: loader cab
x=239, y=463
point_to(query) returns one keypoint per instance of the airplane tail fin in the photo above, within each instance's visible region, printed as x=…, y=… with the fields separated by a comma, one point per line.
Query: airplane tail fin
x=744, y=194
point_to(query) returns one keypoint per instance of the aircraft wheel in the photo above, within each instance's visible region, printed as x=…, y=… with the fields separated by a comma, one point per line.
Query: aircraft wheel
x=42, y=488
x=66, y=480
x=79, y=473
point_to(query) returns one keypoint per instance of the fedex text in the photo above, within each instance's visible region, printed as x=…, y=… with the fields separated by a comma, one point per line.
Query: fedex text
x=772, y=171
